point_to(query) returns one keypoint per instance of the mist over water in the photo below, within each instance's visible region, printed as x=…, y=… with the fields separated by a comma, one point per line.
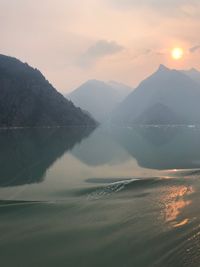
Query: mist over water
x=105, y=197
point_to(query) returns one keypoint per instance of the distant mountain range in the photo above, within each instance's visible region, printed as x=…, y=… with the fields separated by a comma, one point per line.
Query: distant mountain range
x=166, y=97
x=27, y=99
x=99, y=98
x=193, y=74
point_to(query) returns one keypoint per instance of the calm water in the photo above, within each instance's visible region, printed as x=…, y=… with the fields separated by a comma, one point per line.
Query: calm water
x=108, y=197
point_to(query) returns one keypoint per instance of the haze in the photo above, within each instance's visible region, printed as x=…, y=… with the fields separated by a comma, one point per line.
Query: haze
x=123, y=40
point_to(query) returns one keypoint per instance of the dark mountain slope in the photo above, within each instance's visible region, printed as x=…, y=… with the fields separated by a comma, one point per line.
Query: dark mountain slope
x=27, y=99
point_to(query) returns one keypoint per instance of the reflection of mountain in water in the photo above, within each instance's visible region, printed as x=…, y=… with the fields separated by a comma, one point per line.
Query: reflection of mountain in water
x=162, y=147
x=100, y=149
x=26, y=154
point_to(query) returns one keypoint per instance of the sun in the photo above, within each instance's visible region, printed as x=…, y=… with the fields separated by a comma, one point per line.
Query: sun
x=177, y=53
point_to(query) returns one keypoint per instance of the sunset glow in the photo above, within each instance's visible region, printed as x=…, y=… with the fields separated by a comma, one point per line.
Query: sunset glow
x=177, y=53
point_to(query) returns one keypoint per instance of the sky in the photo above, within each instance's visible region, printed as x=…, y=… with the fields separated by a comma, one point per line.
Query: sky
x=71, y=41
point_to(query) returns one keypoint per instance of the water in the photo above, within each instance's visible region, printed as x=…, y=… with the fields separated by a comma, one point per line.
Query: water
x=104, y=197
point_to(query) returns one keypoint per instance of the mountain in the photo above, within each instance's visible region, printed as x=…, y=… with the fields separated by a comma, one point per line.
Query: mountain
x=121, y=89
x=159, y=114
x=193, y=74
x=99, y=98
x=29, y=100
x=166, y=97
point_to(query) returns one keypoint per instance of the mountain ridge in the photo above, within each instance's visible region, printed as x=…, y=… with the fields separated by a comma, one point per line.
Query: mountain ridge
x=29, y=100
x=171, y=88
x=98, y=97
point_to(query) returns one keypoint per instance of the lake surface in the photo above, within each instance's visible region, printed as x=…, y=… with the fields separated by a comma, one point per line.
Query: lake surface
x=104, y=197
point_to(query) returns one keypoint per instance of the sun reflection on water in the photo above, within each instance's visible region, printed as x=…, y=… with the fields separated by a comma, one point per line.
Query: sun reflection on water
x=174, y=203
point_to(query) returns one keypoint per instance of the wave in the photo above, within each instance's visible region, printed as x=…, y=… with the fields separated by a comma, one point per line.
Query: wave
x=4, y=203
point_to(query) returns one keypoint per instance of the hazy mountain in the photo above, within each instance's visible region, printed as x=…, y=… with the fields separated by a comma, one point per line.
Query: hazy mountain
x=122, y=90
x=28, y=99
x=159, y=114
x=166, y=97
x=193, y=74
x=99, y=98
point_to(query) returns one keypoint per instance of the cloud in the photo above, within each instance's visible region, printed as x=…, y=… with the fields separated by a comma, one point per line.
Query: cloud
x=147, y=51
x=160, y=53
x=153, y=3
x=194, y=48
x=98, y=50
x=169, y=7
x=142, y=53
